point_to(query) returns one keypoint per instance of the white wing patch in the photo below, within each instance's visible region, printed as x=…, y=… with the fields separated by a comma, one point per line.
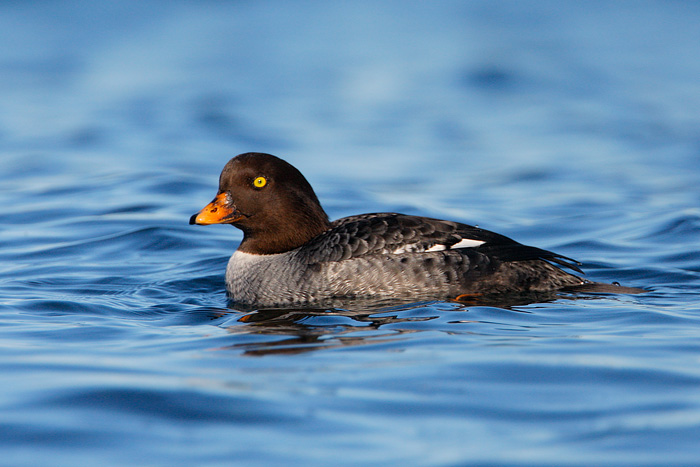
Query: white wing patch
x=464, y=243
x=405, y=249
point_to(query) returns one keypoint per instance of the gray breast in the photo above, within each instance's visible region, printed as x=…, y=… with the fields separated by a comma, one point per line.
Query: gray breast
x=283, y=279
x=264, y=279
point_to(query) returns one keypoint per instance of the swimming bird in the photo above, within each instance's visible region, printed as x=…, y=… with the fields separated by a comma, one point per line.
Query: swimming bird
x=292, y=254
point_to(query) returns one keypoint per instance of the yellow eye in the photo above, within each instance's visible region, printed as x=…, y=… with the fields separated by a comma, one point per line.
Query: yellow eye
x=259, y=182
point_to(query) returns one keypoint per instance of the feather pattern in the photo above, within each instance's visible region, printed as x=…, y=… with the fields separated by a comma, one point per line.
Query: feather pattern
x=392, y=233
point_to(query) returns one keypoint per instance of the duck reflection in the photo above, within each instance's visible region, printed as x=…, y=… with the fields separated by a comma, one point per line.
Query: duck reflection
x=318, y=328
x=351, y=322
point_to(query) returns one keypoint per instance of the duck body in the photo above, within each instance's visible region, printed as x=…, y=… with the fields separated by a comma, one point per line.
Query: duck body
x=291, y=254
x=392, y=255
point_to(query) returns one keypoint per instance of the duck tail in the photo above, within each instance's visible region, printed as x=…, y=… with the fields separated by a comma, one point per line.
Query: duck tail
x=599, y=287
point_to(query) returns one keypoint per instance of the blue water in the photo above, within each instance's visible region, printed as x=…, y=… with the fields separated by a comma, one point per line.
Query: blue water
x=572, y=126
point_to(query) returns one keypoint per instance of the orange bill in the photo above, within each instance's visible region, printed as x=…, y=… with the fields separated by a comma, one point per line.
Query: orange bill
x=219, y=211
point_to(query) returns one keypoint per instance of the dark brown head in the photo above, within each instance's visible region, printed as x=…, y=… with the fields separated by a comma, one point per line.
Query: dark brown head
x=269, y=200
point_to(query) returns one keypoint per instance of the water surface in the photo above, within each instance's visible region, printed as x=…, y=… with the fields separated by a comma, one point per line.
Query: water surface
x=569, y=127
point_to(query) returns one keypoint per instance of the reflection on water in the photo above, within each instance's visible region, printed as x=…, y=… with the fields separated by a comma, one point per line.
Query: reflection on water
x=358, y=322
x=312, y=329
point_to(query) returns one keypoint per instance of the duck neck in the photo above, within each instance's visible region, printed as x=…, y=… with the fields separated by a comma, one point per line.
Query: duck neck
x=275, y=235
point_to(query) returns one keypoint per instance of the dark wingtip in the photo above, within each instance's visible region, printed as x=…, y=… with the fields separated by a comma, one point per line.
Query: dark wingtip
x=566, y=262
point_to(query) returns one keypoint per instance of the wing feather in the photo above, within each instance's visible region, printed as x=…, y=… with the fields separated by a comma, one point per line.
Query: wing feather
x=395, y=234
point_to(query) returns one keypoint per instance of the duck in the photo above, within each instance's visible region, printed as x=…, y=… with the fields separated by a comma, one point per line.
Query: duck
x=293, y=255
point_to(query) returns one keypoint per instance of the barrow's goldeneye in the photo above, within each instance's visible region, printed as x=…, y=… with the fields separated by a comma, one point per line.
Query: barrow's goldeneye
x=291, y=254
